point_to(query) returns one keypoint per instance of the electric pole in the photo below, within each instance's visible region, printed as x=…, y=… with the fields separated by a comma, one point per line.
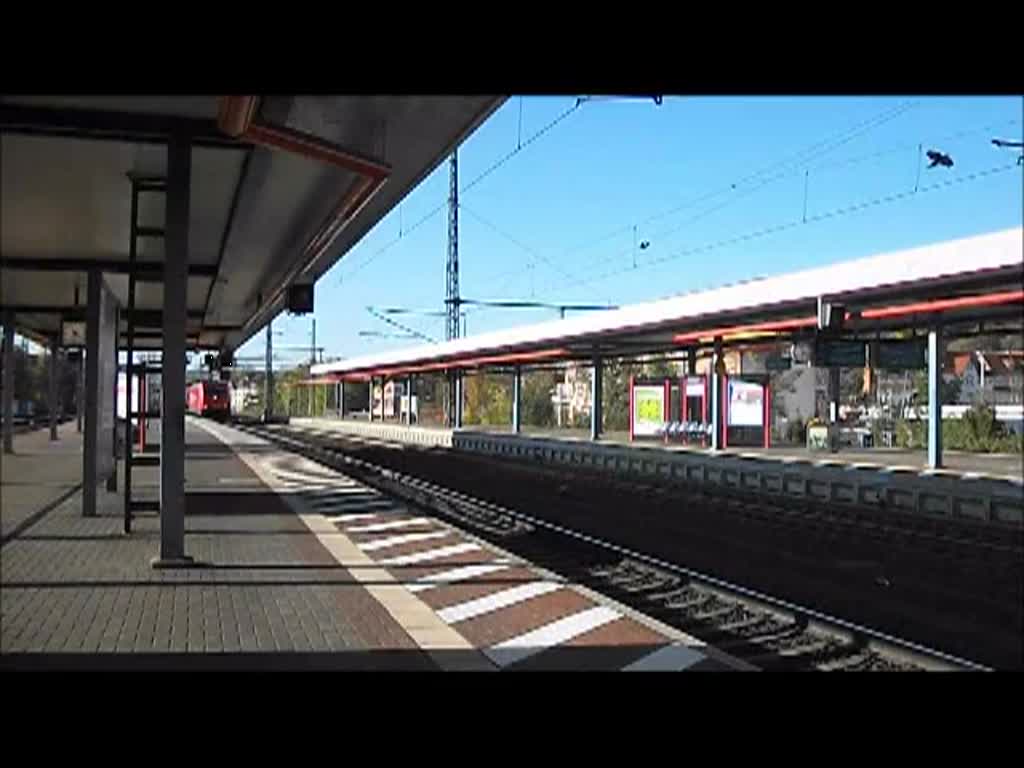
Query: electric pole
x=451, y=299
x=268, y=376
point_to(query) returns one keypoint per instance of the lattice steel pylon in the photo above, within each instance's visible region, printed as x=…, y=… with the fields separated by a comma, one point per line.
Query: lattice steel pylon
x=451, y=296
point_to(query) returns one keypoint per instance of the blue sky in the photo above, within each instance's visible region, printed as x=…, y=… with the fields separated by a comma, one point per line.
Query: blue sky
x=564, y=207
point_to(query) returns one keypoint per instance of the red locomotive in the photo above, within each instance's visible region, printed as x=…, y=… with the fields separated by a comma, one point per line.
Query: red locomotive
x=209, y=398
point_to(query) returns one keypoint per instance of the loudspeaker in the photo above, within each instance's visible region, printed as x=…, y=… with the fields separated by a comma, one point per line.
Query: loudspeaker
x=300, y=299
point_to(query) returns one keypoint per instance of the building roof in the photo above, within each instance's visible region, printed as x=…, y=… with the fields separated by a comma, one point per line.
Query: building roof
x=987, y=263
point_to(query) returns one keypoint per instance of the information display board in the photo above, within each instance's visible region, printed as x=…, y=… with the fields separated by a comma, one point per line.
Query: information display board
x=840, y=354
x=648, y=410
x=910, y=354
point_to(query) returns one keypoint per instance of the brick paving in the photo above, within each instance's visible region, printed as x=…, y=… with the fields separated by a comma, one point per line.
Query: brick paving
x=268, y=592
x=38, y=473
x=72, y=584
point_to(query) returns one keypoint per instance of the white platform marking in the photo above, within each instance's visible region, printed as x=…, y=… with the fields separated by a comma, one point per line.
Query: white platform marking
x=464, y=573
x=497, y=601
x=394, y=541
x=375, y=527
x=671, y=658
x=355, y=516
x=561, y=631
x=430, y=554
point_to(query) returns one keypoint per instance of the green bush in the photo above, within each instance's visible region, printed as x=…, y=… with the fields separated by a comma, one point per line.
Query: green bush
x=976, y=431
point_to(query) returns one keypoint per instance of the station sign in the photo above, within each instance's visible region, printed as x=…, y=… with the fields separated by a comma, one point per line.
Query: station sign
x=901, y=355
x=778, y=363
x=840, y=354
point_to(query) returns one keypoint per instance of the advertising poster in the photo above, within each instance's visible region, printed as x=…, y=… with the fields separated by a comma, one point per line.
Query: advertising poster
x=746, y=404
x=648, y=410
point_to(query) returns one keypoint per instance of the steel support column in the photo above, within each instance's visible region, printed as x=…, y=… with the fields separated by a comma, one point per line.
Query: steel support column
x=54, y=352
x=80, y=390
x=8, y=383
x=172, y=413
x=112, y=477
x=369, y=406
x=458, y=400
x=717, y=362
x=90, y=443
x=833, y=395
x=935, y=354
x=408, y=395
x=517, y=397
x=595, y=398
x=691, y=361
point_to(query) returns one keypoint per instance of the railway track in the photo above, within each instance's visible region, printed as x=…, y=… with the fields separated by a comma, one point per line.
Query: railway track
x=768, y=632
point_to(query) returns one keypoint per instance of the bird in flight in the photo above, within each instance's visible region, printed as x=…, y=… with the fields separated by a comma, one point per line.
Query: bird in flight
x=938, y=158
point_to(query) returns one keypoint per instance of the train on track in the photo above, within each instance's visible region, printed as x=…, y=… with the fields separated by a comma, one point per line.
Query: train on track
x=209, y=398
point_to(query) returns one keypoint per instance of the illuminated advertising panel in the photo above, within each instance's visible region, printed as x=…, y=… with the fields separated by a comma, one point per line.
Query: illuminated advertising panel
x=746, y=404
x=648, y=409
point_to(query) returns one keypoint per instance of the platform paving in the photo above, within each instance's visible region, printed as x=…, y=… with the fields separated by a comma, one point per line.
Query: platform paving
x=70, y=584
x=288, y=577
x=37, y=474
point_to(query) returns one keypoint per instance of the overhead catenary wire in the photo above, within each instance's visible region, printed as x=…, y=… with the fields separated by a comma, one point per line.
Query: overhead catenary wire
x=815, y=150
x=703, y=214
x=835, y=213
x=817, y=167
x=515, y=241
x=472, y=183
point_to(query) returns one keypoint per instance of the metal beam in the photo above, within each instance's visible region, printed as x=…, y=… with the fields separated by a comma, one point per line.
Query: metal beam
x=228, y=226
x=145, y=271
x=108, y=125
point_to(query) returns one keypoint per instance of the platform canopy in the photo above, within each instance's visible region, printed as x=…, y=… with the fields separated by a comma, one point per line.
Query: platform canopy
x=281, y=188
x=970, y=280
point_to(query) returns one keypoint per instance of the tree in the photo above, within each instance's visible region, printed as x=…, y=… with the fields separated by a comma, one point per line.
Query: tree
x=535, y=398
x=949, y=390
x=488, y=400
x=851, y=385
